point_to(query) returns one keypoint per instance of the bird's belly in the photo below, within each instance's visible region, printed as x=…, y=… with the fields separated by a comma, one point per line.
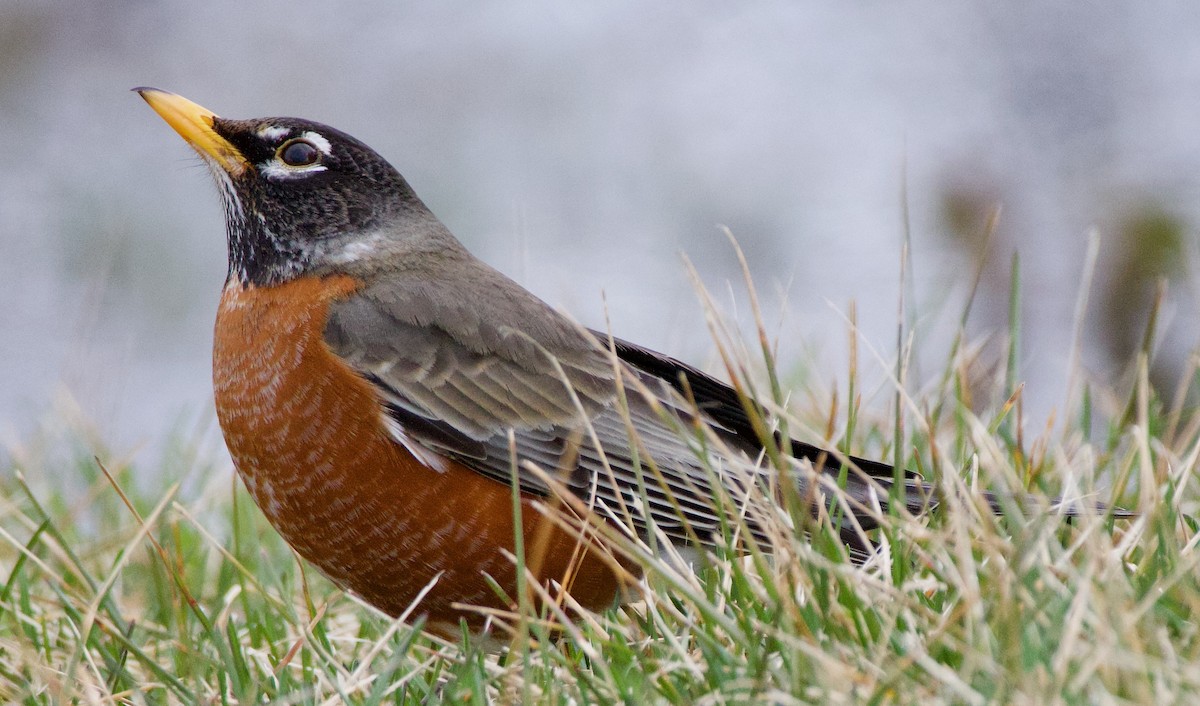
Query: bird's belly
x=307, y=436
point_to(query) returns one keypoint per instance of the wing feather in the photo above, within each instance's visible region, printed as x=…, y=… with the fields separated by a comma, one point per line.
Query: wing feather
x=454, y=382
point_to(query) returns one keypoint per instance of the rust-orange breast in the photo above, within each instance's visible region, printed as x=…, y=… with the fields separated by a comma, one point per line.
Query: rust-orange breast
x=307, y=436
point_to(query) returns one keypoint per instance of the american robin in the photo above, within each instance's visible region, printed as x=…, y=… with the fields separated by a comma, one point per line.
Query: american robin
x=379, y=388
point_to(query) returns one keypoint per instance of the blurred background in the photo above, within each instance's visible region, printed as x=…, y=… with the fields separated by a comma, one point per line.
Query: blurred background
x=582, y=148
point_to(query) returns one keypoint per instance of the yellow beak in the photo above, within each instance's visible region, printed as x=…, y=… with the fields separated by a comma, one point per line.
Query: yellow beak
x=194, y=123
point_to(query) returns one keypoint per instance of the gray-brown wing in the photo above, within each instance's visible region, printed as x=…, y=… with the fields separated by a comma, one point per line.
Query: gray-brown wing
x=471, y=352
x=455, y=380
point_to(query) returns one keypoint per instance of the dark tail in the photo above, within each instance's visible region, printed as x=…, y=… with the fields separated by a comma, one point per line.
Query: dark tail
x=868, y=483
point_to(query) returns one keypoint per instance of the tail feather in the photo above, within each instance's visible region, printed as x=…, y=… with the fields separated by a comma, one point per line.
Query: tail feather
x=868, y=484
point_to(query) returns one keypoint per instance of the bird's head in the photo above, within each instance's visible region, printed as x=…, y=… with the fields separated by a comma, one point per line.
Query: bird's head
x=300, y=197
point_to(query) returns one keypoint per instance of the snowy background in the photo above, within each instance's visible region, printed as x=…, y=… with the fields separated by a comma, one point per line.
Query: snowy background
x=582, y=147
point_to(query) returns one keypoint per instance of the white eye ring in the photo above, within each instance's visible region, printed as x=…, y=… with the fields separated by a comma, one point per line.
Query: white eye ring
x=307, y=152
x=298, y=152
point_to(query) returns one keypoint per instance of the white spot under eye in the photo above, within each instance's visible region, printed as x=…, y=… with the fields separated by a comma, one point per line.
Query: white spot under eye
x=275, y=169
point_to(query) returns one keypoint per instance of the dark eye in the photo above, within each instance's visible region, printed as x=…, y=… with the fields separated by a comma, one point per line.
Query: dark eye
x=299, y=153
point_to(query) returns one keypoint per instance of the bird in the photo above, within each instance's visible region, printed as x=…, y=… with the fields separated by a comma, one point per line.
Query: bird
x=397, y=407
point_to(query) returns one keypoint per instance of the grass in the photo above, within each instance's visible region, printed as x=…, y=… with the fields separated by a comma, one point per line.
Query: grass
x=118, y=587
